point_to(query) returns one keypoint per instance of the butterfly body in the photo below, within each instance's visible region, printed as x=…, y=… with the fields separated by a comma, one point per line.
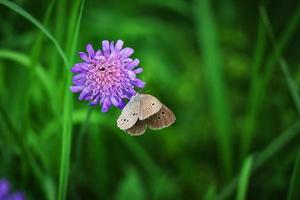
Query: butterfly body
x=142, y=111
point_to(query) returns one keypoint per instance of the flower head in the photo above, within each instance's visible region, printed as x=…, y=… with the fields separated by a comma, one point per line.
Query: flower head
x=6, y=194
x=106, y=76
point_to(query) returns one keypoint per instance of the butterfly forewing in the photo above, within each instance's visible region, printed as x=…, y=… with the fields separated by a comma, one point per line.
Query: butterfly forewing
x=138, y=129
x=149, y=106
x=164, y=118
x=129, y=115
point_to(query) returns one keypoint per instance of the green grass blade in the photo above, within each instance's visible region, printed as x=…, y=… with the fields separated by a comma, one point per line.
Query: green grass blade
x=80, y=137
x=261, y=157
x=156, y=175
x=210, y=193
x=67, y=121
x=34, y=21
x=289, y=31
x=259, y=51
x=131, y=187
x=73, y=31
x=15, y=56
x=160, y=187
x=285, y=69
x=258, y=94
x=141, y=155
x=66, y=145
x=244, y=179
x=41, y=74
x=293, y=193
x=36, y=68
x=277, y=144
x=37, y=46
x=26, y=123
x=15, y=134
x=252, y=105
x=29, y=79
x=59, y=26
x=208, y=41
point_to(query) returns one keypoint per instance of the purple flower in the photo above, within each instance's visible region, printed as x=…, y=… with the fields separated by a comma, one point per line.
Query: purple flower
x=106, y=76
x=6, y=194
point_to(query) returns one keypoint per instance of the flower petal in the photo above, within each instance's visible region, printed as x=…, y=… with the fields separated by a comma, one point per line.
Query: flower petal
x=90, y=50
x=131, y=74
x=4, y=187
x=111, y=57
x=16, y=196
x=119, y=45
x=79, y=67
x=105, y=47
x=114, y=101
x=77, y=77
x=84, y=94
x=125, y=61
x=79, y=82
x=84, y=56
x=98, y=54
x=76, y=88
x=133, y=64
x=121, y=105
x=112, y=46
x=138, y=70
x=95, y=101
x=138, y=83
x=126, y=52
x=128, y=93
x=106, y=104
x=117, y=102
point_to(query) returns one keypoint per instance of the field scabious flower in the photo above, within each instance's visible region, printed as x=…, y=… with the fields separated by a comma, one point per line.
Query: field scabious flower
x=106, y=76
x=6, y=194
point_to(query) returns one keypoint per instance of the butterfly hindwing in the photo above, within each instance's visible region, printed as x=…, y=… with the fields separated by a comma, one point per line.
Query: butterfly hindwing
x=164, y=118
x=138, y=129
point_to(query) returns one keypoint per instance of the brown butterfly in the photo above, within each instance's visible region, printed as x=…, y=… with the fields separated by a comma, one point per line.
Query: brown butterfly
x=142, y=111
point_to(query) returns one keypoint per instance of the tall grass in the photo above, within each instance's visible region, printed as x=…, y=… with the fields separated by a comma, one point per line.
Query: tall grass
x=260, y=83
x=293, y=192
x=67, y=124
x=244, y=179
x=261, y=157
x=208, y=40
x=284, y=138
x=29, y=17
x=73, y=33
x=293, y=89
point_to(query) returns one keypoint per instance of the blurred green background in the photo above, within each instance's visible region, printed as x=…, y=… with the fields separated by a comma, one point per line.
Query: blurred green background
x=229, y=70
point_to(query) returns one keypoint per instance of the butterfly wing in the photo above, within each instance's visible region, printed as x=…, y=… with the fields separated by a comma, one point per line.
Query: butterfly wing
x=138, y=129
x=129, y=115
x=164, y=118
x=149, y=106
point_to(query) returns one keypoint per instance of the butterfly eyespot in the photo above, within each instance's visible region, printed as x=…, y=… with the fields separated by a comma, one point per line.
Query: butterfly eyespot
x=163, y=112
x=124, y=120
x=158, y=117
x=152, y=104
x=134, y=114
